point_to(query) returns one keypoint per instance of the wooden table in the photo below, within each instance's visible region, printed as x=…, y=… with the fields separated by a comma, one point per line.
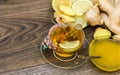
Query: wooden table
x=23, y=25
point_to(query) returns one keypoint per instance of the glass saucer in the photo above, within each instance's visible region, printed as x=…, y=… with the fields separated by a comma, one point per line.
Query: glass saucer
x=48, y=55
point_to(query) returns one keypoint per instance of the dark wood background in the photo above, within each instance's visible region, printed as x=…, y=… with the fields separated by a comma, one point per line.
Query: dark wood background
x=23, y=25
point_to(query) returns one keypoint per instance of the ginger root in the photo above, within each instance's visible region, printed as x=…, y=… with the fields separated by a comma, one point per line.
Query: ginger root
x=93, y=16
x=116, y=37
x=108, y=13
x=112, y=18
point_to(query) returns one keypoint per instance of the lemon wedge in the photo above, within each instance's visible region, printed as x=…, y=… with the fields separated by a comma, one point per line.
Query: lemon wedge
x=81, y=6
x=57, y=3
x=67, y=10
x=70, y=46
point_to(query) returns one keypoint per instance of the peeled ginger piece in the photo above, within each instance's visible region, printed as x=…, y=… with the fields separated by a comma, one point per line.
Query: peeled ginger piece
x=101, y=33
x=68, y=18
x=67, y=10
x=62, y=18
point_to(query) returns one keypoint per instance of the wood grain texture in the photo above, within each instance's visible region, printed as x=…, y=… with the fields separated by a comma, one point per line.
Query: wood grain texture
x=23, y=24
x=46, y=69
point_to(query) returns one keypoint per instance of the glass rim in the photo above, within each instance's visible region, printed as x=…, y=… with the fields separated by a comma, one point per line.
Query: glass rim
x=83, y=37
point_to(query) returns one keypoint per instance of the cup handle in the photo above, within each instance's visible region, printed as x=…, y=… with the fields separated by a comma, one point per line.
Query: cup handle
x=46, y=43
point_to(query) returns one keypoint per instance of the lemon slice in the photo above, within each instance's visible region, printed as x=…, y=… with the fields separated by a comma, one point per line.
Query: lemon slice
x=81, y=6
x=70, y=46
x=57, y=3
x=80, y=20
x=67, y=10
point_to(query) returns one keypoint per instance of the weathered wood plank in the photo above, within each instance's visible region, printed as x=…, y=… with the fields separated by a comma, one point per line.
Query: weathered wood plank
x=23, y=24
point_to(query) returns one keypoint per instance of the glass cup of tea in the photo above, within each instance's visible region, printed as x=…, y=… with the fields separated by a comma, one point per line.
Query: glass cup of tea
x=67, y=40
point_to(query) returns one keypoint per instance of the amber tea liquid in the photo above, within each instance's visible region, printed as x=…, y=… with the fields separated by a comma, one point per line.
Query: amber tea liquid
x=67, y=39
